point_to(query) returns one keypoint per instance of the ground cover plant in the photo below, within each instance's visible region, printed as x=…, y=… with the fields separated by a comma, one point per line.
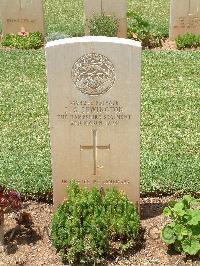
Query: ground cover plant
x=9, y=201
x=102, y=25
x=169, y=127
x=93, y=224
x=141, y=30
x=32, y=40
x=183, y=232
x=188, y=40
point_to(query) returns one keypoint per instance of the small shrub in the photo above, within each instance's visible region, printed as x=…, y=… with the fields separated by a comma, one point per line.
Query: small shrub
x=184, y=230
x=141, y=30
x=9, y=201
x=188, y=40
x=102, y=25
x=33, y=40
x=56, y=36
x=93, y=224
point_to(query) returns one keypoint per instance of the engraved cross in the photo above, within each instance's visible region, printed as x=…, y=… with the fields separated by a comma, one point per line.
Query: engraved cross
x=23, y=5
x=101, y=7
x=20, y=4
x=95, y=149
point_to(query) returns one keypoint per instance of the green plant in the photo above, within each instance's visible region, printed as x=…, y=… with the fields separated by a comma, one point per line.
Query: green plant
x=33, y=40
x=188, y=40
x=56, y=36
x=93, y=224
x=9, y=201
x=102, y=25
x=141, y=30
x=184, y=230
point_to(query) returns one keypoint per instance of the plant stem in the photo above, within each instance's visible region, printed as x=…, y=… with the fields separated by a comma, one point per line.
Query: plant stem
x=1, y=228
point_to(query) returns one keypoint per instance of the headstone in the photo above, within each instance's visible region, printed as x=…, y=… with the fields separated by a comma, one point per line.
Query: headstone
x=22, y=16
x=94, y=112
x=184, y=18
x=118, y=8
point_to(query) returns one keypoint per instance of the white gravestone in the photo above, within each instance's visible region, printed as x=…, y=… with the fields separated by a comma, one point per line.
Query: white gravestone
x=118, y=8
x=22, y=16
x=184, y=18
x=94, y=112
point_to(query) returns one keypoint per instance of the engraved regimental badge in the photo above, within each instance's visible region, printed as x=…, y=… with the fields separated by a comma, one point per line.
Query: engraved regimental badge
x=93, y=74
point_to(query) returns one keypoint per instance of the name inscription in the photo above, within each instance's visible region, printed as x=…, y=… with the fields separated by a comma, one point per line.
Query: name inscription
x=188, y=22
x=94, y=113
x=21, y=20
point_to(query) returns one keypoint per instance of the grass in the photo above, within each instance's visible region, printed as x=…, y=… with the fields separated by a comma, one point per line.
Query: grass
x=25, y=151
x=170, y=122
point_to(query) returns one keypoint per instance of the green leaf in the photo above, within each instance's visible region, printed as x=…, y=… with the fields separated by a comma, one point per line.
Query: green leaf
x=191, y=247
x=195, y=218
x=195, y=231
x=187, y=198
x=180, y=231
x=167, y=212
x=195, y=202
x=168, y=235
x=179, y=208
x=172, y=203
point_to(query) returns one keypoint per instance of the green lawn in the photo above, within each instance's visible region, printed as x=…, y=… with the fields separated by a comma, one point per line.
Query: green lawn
x=170, y=122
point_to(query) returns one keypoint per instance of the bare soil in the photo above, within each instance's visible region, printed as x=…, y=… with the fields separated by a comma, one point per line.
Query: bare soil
x=32, y=246
x=169, y=45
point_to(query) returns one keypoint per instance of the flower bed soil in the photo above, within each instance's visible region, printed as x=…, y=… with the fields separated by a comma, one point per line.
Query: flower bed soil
x=33, y=246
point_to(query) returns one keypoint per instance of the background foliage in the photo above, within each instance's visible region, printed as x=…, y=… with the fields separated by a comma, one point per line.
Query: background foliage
x=69, y=19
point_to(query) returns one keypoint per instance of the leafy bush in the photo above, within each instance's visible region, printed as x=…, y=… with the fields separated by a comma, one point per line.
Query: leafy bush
x=102, y=25
x=141, y=30
x=56, y=36
x=33, y=40
x=9, y=201
x=184, y=230
x=188, y=40
x=93, y=224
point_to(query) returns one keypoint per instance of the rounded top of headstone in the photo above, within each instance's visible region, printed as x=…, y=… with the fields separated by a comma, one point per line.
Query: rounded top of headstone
x=93, y=74
x=93, y=39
